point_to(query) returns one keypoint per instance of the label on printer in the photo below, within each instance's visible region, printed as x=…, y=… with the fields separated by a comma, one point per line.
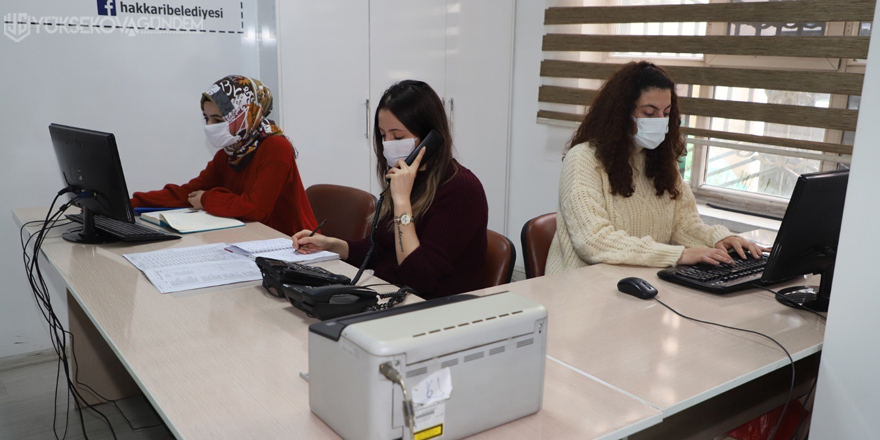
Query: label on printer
x=434, y=388
x=429, y=422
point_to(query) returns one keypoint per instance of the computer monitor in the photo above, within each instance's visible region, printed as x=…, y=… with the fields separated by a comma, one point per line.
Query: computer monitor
x=90, y=167
x=807, y=239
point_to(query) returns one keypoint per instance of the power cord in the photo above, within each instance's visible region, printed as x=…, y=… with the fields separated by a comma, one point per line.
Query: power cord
x=58, y=334
x=801, y=419
x=790, y=359
x=394, y=376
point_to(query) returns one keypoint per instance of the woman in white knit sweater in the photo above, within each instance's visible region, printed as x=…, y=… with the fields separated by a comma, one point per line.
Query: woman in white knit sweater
x=621, y=197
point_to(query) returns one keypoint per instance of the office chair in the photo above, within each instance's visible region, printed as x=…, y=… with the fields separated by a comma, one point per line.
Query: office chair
x=346, y=210
x=500, y=257
x=537, y=234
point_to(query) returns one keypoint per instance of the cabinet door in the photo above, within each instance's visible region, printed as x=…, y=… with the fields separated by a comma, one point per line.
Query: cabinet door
x=407, y=41
x=324, y=76
x=479, y=76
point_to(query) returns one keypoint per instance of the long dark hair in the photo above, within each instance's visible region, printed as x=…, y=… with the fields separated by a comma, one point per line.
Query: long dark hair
x=609, y=127
x=416, y=105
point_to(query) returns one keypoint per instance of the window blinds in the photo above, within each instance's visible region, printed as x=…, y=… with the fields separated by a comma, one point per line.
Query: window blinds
x=781, y=76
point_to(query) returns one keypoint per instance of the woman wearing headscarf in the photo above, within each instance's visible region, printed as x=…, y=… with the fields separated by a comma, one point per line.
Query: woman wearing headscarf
x=253, y=176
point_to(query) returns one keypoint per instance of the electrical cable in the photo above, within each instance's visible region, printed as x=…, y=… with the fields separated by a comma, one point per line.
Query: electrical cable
x=790, y=359
x=95, y=393
x=372, y=233
x=57, y=334
x=803, y=409
x=394, y=376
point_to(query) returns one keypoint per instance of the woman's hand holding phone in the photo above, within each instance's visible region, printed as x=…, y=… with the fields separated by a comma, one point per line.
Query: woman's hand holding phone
x=402, y=178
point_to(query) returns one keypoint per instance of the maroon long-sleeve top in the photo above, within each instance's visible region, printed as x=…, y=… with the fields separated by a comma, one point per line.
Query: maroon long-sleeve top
x=267, y=190
x=452, y=241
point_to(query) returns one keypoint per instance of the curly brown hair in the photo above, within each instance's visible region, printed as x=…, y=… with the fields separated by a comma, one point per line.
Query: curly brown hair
x=609, y=126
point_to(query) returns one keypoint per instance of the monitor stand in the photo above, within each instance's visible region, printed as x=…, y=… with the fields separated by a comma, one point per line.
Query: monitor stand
x=87, y=234
x=815, y=298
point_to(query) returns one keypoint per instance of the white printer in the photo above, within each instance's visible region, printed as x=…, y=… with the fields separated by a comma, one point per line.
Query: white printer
x=468, y=364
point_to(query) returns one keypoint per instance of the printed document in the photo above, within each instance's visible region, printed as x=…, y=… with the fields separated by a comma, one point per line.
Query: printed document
x=196, y=267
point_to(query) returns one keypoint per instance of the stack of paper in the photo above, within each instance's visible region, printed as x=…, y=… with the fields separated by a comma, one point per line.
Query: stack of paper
x=187, y=220
x=195, y=267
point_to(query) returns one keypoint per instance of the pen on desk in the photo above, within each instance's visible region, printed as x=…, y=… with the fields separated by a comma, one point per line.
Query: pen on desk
x=319, y=227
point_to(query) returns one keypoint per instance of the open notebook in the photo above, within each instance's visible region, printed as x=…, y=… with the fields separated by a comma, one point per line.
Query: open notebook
x=187, y=220
x=279, y=249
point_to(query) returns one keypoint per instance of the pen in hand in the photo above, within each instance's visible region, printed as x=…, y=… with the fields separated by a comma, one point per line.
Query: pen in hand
x=319, y=227
x=300, y=250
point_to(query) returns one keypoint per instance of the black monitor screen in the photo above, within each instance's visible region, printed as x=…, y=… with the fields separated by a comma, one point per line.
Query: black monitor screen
x=807, y=239
x=90, y=167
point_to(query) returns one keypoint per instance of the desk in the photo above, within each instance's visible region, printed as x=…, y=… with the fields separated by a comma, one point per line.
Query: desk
x=644, y=350
x=225, y=362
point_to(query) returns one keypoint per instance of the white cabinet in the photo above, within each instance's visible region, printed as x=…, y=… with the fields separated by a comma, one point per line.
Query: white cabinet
x=335, y=56
x=323, y=59
x=407, y=41
x=479, y=72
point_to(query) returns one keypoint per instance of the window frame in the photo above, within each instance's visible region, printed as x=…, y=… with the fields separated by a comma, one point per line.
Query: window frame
x=754, y=202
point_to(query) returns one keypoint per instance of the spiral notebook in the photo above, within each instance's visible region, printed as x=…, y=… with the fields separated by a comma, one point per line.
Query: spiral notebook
x=279, y=249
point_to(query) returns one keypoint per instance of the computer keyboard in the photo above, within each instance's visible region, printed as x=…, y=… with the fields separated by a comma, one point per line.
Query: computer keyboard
x=125, y=231
x=744, y=273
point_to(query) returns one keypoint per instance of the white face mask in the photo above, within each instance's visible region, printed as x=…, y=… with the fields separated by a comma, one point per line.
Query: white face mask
x=651, y=132
x=219, y=136
x=398, y=149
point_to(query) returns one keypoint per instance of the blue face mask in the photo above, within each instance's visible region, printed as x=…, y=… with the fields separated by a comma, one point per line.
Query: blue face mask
x=651, y=132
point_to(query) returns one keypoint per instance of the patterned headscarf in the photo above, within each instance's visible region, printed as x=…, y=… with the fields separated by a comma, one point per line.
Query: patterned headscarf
x=244, y=103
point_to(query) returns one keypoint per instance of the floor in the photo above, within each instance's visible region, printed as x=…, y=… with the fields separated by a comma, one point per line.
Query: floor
x=27, y=394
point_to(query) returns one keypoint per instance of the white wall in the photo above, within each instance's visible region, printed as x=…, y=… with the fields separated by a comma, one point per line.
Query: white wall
x=462, y=49
x=848, y=391
x=143, y=88
x=536, y=149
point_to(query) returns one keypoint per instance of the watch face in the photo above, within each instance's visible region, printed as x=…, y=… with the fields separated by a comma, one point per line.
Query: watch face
x=405, y=219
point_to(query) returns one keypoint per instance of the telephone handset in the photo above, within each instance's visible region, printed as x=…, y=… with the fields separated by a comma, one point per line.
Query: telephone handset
x=324, y=295
x=433, y=142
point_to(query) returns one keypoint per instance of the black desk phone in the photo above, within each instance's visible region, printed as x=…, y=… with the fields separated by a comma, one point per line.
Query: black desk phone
x=321, y=293
x=325, y=295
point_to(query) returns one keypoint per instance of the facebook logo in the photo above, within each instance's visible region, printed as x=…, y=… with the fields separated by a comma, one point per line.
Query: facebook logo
x=107, y=7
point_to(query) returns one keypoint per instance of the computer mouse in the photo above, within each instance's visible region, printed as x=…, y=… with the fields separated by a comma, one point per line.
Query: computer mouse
x=637, y=287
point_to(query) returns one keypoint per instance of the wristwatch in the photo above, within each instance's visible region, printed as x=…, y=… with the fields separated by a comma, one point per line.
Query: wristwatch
x=403, y=220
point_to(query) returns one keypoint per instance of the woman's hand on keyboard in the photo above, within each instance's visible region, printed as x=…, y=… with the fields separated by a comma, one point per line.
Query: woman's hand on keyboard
x=741, y=245
x=706, y=255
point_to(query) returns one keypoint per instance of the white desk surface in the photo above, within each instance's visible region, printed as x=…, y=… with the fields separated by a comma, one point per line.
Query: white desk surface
x=646, y=351
x=225, y=362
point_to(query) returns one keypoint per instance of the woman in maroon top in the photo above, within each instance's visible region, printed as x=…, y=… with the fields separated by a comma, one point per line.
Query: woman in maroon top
x=432, y=224
x=253, y=176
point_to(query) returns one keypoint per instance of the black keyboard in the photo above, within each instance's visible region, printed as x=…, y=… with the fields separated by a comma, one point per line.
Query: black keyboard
x=743, y=274
x=125, y=231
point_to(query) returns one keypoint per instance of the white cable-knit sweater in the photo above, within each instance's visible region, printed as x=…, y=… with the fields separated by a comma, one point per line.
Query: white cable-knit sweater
x=594, y=226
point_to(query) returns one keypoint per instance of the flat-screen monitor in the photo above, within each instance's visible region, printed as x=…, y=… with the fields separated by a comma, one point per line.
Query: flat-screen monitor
x=807, y=239
x=90, y=167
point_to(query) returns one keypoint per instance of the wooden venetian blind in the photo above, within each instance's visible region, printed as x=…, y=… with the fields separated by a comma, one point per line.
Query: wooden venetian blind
x=782, y=78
